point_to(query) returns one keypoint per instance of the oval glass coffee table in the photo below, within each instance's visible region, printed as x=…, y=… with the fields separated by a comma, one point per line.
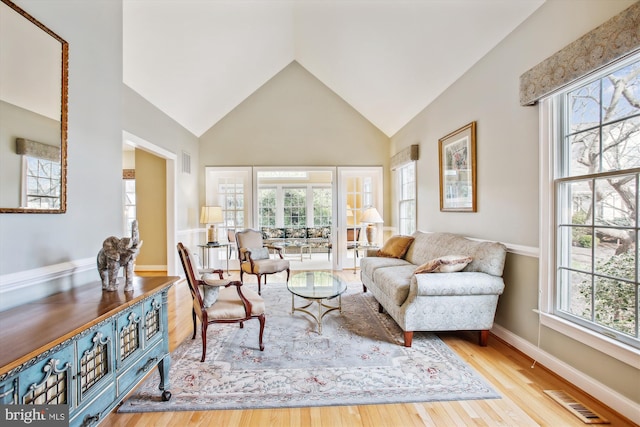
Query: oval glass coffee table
x=316, y=287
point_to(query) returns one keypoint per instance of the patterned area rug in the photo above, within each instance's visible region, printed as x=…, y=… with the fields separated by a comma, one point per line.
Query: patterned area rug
x=359, y=359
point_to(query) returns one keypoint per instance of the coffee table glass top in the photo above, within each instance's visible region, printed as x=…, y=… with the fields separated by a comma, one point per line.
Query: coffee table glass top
x=316, y=285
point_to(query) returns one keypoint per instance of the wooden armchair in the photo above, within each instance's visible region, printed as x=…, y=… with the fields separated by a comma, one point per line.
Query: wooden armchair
x=254, y=257
x=219, y=301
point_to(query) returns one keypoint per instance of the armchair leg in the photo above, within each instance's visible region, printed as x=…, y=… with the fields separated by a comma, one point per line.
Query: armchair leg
x=204, y=341
x=193, y=316
x=484, y=337
x=380, y=308
x=288, y=275
x=259, y=285
x=262, y=319
x=408, y=338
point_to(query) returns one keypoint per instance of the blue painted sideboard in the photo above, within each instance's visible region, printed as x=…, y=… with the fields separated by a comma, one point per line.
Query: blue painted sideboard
x=85, y=348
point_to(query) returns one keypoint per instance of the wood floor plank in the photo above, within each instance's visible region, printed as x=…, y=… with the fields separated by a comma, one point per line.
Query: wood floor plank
x=523, y=401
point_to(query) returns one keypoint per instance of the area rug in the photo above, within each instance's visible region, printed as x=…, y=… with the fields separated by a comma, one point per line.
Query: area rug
x=359, y=359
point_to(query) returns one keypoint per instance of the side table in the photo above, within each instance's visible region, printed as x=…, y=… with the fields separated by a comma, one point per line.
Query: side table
x=356, y=252
x=205, y=253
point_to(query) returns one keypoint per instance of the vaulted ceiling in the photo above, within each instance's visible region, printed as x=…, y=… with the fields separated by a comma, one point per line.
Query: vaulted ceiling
x=196, y=60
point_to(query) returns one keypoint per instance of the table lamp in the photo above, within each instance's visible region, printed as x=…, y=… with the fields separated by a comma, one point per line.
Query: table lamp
x=371, y=216
x=211, y=215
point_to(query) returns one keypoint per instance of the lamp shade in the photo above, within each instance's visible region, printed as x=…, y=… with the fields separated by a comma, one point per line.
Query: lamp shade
x=211, y=215
x=371, y=216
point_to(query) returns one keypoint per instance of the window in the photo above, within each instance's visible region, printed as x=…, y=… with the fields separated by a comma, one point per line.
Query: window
x=42, y=183
x=321, y=206
x=295, y=207
x=596, y=164
x=231, y=190
x=267, y=207
x=407, y=198
x=129, y=194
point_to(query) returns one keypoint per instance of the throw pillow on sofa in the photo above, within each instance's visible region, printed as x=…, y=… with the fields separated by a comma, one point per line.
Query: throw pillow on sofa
x=445, y=264
x=396, y=247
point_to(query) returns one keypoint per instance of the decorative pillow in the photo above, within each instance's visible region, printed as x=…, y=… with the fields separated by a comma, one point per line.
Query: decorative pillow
x=210, y=295
x=396, y=247
x=272, y=233
x=295, y=233
x=445, y=264
x=259, y=253
x=314, y=232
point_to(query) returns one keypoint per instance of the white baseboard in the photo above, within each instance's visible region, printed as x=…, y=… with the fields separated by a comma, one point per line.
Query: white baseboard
x=604, y=394
x=150, y=267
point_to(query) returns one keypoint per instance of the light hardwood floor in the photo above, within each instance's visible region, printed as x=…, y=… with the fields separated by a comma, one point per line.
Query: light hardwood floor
x=523, y=402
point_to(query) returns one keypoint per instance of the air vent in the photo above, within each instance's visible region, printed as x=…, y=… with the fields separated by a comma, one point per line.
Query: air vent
x=577, y=408
x=186, y=162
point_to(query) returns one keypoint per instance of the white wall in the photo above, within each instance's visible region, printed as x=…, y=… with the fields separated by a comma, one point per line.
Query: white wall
x=507, y=165
x=32, y=241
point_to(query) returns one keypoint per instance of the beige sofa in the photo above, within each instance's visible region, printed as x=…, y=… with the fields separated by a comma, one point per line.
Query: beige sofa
x=464, y=300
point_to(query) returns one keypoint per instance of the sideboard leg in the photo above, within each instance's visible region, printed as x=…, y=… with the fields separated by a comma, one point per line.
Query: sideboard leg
x=163, y=370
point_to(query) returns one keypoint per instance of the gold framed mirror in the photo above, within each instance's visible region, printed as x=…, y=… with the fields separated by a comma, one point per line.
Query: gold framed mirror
x=34, y=63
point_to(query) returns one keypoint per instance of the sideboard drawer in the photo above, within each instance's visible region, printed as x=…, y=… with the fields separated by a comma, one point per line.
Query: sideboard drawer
x=95, y=409
x=132, y=374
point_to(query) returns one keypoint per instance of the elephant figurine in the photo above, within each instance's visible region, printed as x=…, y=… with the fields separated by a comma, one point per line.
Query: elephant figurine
x=116, y=253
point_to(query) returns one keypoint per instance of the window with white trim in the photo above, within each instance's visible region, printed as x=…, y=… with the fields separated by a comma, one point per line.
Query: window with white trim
x=596, y=171
x=267, y=207
x=322, y=206
x=295, y=207
x=42, y=183
x=231, y=190
x=407, y=198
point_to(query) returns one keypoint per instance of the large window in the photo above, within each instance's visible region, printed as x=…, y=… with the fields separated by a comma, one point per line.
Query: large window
x=596, y=161
x=295, y=207
x=322, y=211
x=407, y=198
x=267, y=207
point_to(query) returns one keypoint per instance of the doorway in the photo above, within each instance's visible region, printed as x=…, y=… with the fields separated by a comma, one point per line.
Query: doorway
x=162, y=199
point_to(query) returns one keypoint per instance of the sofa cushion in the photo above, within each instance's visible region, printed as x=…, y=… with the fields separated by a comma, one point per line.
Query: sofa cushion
x=395, y=282
x=395, y=247
x=445, y=264
x=488, y=257
x=369, y=265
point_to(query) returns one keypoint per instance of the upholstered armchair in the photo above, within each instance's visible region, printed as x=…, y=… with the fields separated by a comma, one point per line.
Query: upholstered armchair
x=216, y=300
x=255, y=258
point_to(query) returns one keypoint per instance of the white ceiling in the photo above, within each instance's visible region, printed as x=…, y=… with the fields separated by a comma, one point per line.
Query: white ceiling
x=196, y=60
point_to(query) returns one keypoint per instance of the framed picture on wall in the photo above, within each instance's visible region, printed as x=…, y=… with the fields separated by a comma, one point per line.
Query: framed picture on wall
x=457, y=157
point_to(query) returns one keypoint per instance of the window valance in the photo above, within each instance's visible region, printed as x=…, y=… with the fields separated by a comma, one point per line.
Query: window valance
x=37, y=149
x=406, y=155
x=612, y=40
